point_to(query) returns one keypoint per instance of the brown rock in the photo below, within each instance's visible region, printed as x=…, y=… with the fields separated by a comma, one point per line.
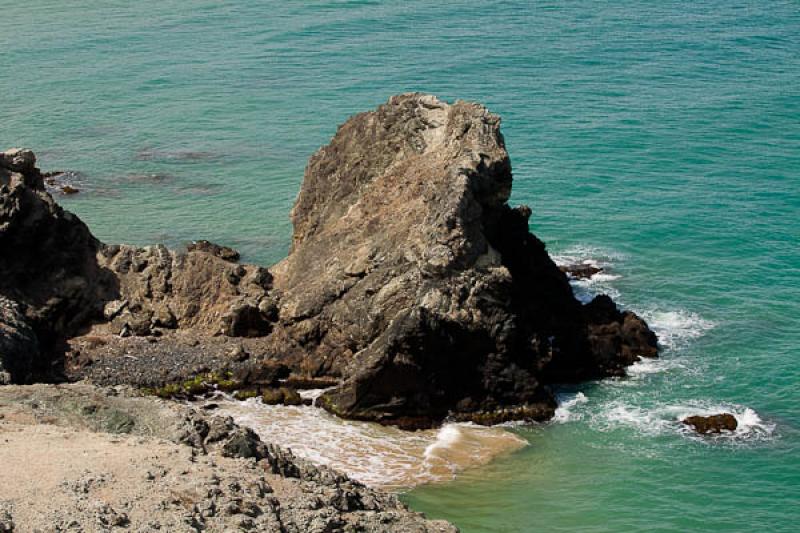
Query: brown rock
x=712, y=424
x=413, y=280
x=281, y=396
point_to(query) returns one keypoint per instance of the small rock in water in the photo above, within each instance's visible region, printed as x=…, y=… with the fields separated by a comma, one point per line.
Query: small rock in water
x=282, y=395
x=580, y=271
x=712, y=424
x=66, y=189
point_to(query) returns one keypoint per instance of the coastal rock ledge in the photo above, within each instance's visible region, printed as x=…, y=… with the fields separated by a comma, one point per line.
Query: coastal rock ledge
x=411, y=284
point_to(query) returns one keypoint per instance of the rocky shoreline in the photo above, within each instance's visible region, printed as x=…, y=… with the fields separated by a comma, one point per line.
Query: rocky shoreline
x=84, y=458
x=413, y=292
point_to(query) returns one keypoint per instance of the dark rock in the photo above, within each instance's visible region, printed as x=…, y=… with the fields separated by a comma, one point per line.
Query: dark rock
x=243, y=442
x=266, y=373
x=19, y=347
x=246, y=320
x=223, y=252
x=68, y=189
x=48, y=259
x=580, y=270
x=6, y=521
x=412, y=279
x=712, y=424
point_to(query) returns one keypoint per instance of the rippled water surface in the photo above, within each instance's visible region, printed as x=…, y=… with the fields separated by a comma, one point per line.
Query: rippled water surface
x=660, y=140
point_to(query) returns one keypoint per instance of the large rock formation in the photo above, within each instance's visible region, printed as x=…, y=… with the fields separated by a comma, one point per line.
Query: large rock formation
x=411, y=283
x=412, y=279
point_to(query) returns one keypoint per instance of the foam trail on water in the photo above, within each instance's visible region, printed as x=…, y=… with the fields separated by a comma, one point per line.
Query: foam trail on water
x=376, y=455
x=566, y=403
x=675, y=328
x=666, y=419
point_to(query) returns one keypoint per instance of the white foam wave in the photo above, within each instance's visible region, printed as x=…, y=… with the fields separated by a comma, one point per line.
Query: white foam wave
x=600, y=283
x=566, y=403
x=677, y=327
x=666, y=419
x=448, y=436
x=648, y=366
x=588, y=255
x=373, y=454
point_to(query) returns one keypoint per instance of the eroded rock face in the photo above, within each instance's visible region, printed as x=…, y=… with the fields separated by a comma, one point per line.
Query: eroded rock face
x=162, y=289
x=412, y=278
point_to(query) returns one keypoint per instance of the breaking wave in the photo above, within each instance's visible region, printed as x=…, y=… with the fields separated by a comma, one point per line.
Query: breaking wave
x=379, y=456
x=666, y=419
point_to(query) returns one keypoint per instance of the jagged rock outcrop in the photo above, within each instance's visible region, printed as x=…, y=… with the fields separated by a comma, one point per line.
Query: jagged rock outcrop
x=411, y=283
x=199, y=290
x=60, y=280
x=412, y=279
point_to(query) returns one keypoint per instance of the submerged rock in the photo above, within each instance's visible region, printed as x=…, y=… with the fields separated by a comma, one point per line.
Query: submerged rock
x=711, y=424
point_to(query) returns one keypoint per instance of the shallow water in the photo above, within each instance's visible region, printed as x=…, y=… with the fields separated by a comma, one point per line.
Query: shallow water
x=661, y=140
x=379, y=456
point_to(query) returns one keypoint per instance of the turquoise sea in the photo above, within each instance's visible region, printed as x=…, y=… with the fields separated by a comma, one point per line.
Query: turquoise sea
x=659, y=139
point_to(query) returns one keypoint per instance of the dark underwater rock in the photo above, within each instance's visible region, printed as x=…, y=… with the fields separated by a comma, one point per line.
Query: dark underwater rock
x=223, y=252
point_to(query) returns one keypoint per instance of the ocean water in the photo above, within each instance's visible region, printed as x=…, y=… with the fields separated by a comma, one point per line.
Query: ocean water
x=659, y=139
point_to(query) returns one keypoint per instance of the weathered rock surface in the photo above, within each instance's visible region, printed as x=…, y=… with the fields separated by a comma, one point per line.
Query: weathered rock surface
x=712, y=424
x=412, y=279
x=119, y=461
x=162, y=289
x=411, y=284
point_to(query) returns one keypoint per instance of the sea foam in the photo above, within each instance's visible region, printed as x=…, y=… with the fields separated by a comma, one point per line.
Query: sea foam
x=666, y=419
x=380, y=456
